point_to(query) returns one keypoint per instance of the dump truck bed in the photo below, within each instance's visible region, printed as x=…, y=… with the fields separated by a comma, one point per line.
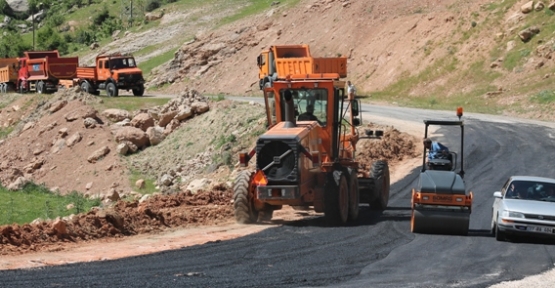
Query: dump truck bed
x=8, y=70
x=47, y=68
x=287, y=60
x=86, y=72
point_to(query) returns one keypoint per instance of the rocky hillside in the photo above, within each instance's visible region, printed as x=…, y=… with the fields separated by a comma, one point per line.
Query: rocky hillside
x=489, y=56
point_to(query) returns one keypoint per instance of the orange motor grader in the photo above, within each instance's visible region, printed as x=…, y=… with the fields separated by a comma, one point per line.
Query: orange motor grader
x=308, y=163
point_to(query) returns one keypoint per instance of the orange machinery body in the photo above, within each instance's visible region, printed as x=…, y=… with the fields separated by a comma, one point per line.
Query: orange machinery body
x=314, y=138
x=434, y=199
x=306, y=157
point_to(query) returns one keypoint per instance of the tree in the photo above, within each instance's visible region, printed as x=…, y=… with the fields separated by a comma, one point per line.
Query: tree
x=12, y=45
x=49, y=39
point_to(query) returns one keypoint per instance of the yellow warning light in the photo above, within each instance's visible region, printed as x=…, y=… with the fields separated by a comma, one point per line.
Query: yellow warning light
x=260, y=179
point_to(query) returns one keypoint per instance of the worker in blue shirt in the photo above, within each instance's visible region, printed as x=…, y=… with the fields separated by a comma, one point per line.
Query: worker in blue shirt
x=436, y=150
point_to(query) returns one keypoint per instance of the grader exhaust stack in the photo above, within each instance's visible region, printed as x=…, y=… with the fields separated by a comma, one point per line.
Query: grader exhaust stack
x=440, y=203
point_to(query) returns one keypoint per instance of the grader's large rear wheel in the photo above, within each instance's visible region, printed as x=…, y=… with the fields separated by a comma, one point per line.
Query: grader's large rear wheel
x=336, y=210
x=380, y=174
x=243, y=198
x=353, y=195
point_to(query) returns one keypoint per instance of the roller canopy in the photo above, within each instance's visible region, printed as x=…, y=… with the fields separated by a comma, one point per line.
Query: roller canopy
x=441, y=182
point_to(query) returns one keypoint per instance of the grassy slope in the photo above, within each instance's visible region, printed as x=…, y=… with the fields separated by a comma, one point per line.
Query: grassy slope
x=477, y=75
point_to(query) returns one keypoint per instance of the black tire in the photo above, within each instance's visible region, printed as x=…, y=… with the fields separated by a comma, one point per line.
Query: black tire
x=380, y=174
x=111, y=90
x=242, y=198
x=499, y=235
x=139, y=91
x=336, y=199
x=40, y=87
x=354, y=196
x=265, y=215
x=86, y=87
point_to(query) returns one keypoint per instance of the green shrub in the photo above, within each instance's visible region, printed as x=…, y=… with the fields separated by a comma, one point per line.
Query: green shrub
x=84, y=36
x=101, y=16
x=48, y=39
x=544, y=97
x=152, y=4
x=55, y=20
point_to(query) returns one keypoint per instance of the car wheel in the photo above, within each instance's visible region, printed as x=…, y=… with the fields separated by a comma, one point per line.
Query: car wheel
x=499, y=235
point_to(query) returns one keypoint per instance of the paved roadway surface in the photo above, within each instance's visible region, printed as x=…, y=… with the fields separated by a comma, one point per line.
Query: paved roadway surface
x=377, y=251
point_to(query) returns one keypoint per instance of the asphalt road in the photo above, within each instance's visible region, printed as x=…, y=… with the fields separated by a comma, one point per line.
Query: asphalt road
x=377, y=251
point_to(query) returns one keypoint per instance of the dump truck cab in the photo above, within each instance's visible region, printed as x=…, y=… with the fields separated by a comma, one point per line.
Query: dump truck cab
x=440, y=203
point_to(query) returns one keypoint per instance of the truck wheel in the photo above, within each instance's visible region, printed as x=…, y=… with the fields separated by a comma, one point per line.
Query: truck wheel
x=139, y=91
x=380, y=174
x=40, y=87
x=111, y=90
x=353, y=195
x=85, y=87
x=336, y=207
x=242, y=198
x=21, y=87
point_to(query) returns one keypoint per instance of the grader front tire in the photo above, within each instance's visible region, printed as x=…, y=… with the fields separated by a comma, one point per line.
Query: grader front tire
x=242, y=199
x=353, y=195
x=336, y=208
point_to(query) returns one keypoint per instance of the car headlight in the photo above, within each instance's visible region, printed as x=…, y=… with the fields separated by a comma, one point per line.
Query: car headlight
x=511, y=214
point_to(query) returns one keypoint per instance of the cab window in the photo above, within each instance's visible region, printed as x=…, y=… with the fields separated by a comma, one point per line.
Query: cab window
x=310, y=104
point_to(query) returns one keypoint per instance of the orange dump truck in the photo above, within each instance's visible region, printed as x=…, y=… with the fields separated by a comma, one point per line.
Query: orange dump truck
x=41, y=71
x=111, y=73
x=282, y=60
x=8, y=74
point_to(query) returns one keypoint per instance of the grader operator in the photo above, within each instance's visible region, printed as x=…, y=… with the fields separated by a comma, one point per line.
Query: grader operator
x=310, y=162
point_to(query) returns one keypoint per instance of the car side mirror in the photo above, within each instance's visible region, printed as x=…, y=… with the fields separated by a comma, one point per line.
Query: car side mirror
x=260, y=60
x=354, y=107
x=497, y=194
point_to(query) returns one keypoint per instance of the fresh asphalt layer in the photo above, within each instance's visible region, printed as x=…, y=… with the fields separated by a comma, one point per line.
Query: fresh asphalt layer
x=377, y=251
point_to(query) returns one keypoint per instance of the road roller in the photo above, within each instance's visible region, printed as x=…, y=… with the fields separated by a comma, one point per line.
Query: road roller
x=440, y=203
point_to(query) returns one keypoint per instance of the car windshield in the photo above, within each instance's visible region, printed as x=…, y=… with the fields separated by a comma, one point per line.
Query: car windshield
x=530, y=190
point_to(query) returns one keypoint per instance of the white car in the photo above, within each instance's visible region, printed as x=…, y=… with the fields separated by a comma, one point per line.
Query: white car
x=525, y=206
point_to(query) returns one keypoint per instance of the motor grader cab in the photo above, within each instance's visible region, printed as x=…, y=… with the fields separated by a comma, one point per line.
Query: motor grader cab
x=309, y=163
x=440, y=203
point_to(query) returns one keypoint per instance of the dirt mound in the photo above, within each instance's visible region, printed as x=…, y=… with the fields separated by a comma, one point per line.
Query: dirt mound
x=123, y=219
x=394, y=147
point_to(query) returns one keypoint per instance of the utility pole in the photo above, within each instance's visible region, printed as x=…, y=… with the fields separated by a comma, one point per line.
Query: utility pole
x=131, y=13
